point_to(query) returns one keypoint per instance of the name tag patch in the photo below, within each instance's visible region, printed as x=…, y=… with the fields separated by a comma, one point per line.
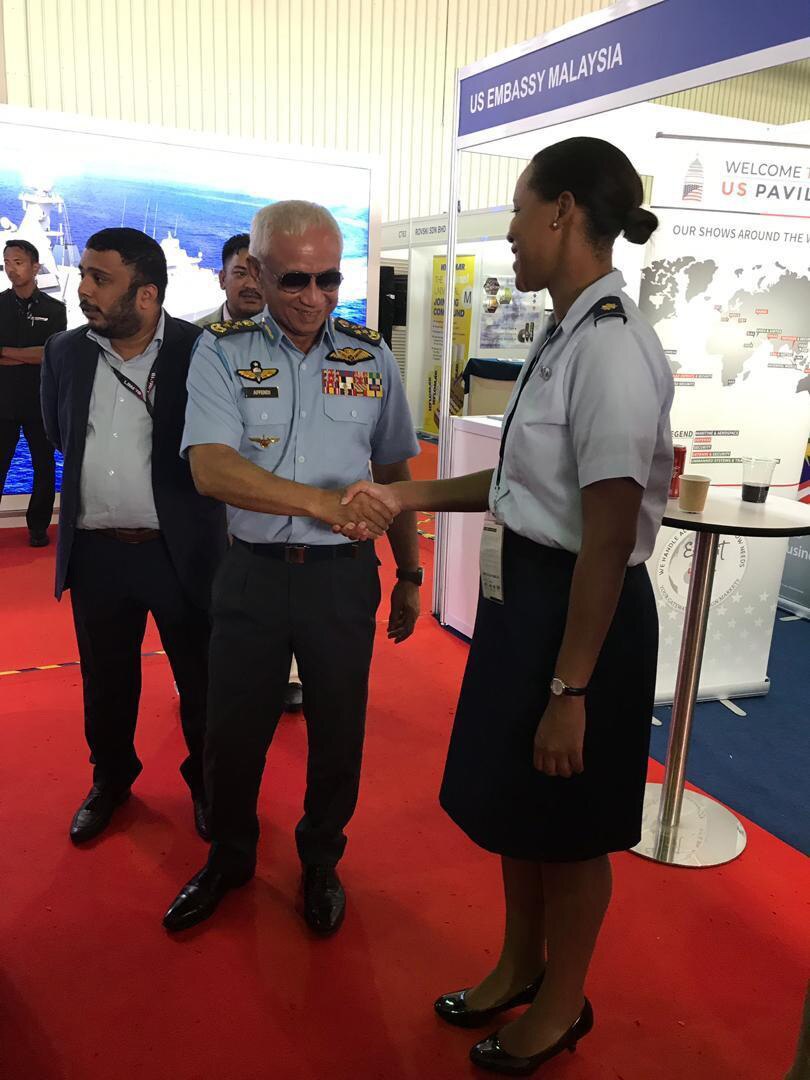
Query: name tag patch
x=352, y=383
x=259, y=391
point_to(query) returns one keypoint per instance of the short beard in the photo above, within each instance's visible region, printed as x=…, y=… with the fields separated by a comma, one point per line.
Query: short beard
x=122, y=320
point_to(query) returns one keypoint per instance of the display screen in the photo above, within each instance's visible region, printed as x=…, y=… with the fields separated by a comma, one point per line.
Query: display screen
x=58, y=186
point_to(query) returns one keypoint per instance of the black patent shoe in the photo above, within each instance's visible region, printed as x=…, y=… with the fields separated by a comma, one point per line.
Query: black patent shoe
x=453, y=1007
x=95, y=813
x=294, y=698
x=324, y=901
x=201, y=818
x=199, y=898
x=490, y=1055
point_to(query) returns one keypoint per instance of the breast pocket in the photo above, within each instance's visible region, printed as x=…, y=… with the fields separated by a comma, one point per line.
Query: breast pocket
x=352, y=410
x=543, y=402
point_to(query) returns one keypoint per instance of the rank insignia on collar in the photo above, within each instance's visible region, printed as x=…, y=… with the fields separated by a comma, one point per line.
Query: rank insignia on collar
x=256, y=373
x=350, y=356
x=263, y=440
x=357, y=331
x=237, y=326
x=608, y=307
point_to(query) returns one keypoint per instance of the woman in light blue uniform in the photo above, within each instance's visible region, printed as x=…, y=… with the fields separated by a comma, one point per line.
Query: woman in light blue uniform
x=555, y=781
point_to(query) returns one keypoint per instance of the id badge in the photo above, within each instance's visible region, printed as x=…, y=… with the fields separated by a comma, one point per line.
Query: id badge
x=491, y=560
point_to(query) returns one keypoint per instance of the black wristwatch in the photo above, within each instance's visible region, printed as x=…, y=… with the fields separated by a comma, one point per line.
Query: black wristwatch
x=561, y=689
x=416, y=577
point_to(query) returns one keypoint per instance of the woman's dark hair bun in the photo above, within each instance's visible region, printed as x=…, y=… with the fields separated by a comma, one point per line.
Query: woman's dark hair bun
x=639, y=225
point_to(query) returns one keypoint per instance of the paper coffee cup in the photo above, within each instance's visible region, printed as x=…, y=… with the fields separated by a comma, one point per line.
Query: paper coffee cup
x=694, y=490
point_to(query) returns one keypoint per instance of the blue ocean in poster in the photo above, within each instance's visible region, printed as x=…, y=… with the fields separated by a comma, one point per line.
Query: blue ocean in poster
x=191, y=221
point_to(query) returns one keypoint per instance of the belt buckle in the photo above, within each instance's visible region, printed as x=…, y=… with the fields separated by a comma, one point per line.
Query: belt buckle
x=295, y=553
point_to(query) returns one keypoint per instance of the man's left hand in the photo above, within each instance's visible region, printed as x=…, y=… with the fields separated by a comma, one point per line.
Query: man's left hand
x=404, y=611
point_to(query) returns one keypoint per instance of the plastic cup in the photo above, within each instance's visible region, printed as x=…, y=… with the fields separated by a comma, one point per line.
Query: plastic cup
x=694, y=490
x=757, y=476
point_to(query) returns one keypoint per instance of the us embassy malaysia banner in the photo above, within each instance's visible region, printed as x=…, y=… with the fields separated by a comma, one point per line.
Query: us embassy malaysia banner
x=726, y=285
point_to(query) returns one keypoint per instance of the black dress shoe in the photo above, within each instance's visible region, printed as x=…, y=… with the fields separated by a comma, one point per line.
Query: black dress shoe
x=324, y=899
x=294, y=697
x=201, y=818
x=95, y=813
x=38, y=539
x=198, y=899
x=454, y=1009
x=490, y=1055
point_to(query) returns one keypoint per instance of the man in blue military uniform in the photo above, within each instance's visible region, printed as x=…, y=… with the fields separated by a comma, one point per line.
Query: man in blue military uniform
x=286, y=410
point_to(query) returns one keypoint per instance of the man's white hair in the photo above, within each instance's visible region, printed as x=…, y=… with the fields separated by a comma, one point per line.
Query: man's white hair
x=293, y=217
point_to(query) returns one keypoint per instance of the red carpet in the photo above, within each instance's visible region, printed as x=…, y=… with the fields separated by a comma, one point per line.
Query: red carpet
x=699, y=975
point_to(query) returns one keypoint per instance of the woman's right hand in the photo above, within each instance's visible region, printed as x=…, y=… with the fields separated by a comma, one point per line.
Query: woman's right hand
x=387, y=494
x=368, y=518
x=384, y=494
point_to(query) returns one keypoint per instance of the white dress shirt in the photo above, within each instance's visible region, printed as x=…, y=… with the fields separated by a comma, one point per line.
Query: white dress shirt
x=116, y=478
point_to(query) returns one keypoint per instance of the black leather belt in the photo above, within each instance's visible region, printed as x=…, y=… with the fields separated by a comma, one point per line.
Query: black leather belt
x=130, y=536
x=304, y=553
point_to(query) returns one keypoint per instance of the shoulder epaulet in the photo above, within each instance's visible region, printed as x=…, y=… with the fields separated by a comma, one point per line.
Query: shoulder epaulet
x=237, y=326
x=362, y=333
x=609, y=307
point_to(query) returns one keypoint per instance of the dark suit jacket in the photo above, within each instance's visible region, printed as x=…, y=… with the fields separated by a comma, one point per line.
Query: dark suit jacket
x=193, y=525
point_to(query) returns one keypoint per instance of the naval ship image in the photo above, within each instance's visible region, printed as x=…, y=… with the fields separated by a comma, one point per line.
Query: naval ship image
x=193, y=289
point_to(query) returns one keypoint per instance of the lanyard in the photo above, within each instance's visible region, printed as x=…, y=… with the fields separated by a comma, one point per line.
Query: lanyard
x=607, y=307
x=133, y=388
x=551, y=334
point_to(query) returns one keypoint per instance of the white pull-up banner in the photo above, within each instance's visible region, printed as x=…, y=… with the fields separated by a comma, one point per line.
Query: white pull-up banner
x=727, y=288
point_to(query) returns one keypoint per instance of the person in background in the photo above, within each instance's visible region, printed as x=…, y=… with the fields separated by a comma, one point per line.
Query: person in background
x=237, y=279
x=135, y=536
x=28, y=318
x=283, y=414
x=554, y=781
x=243, y=300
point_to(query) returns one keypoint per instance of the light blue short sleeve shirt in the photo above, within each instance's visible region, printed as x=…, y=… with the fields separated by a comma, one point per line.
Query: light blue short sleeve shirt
x=595, y=407
x=318, y=419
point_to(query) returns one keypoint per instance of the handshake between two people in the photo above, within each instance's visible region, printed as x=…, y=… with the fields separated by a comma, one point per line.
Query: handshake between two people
x=365, y=510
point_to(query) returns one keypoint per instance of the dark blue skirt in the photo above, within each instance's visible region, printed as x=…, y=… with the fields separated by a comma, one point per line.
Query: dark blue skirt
x=491, y=788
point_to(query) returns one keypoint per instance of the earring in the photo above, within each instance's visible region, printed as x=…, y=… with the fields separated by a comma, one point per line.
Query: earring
x=555, y=224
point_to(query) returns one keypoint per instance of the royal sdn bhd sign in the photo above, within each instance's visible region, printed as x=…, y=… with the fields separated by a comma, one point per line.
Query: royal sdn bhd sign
x=637, y=46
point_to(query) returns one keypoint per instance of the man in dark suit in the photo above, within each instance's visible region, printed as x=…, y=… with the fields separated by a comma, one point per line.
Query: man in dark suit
x=134, y=534
x=27, y=319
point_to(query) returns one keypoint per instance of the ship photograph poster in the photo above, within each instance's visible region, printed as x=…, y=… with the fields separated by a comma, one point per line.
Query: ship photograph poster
x=62, y=178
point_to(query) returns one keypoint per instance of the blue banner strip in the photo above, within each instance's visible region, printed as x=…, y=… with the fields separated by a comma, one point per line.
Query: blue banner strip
x=666, y=39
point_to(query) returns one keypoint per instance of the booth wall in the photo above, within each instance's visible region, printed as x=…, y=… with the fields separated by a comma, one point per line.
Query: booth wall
x=355, y=75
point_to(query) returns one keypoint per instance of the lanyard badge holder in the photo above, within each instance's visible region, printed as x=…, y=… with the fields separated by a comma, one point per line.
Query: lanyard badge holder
x=491, y=555
x=491, y=559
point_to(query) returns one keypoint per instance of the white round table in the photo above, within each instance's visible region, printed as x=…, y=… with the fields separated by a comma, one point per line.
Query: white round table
x=683, y=827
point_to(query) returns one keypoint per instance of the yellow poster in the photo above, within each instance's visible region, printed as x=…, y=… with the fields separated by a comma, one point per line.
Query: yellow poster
x=462, y=321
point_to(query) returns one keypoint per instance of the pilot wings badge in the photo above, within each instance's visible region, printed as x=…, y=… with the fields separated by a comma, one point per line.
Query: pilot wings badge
x=256, y=373
x=350, y=356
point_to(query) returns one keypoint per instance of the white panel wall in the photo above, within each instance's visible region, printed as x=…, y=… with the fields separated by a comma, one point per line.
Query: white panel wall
x=374, y=76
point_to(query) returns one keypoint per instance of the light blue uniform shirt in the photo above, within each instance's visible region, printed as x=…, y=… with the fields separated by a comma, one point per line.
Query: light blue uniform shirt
x=317, y=419
x=596, y=407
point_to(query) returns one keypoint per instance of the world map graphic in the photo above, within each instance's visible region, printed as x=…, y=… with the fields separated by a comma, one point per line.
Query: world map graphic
x=720, y=320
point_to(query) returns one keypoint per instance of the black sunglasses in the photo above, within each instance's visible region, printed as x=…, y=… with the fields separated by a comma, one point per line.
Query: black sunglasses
x=294, y=281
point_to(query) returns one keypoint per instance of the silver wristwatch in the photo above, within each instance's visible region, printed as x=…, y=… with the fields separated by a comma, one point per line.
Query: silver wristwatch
x=561, y=689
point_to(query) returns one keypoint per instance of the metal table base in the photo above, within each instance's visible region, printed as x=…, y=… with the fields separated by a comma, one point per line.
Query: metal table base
x=680, y=827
